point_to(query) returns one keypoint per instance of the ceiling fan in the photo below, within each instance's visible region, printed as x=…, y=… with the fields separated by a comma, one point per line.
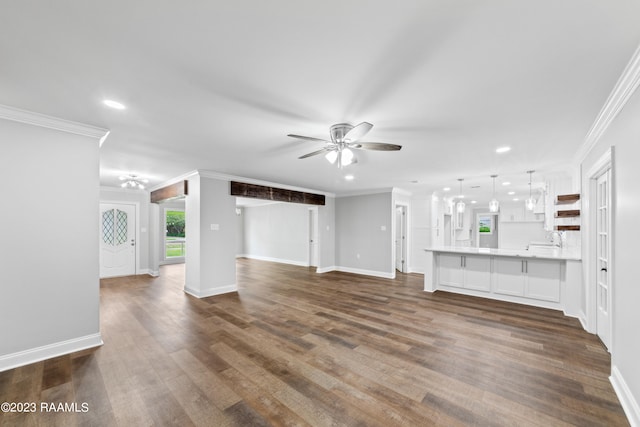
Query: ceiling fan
x=344, y=137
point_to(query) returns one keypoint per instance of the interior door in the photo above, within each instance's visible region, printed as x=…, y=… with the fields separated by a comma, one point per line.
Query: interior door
x=400, y=238
x=117, y=240
x=313, y=238
x=603, y=262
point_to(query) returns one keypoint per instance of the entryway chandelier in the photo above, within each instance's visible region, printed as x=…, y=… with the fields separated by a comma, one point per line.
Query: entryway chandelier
x=133, y=181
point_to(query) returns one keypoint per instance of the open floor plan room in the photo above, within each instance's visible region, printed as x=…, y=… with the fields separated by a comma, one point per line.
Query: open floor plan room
x=293, y=347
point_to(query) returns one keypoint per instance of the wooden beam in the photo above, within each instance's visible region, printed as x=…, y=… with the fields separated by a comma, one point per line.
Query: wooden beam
x=262, y=192
x=173, y=191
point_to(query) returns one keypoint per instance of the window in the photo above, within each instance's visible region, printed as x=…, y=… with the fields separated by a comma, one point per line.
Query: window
x=175, y=237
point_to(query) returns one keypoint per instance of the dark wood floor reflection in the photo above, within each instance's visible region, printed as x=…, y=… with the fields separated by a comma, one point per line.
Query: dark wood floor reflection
x=293, y=347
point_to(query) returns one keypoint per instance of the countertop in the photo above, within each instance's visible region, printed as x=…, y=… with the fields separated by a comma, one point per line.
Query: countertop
x=545, y=253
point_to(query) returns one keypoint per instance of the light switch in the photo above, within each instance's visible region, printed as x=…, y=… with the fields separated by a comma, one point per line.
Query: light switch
x=215, y=227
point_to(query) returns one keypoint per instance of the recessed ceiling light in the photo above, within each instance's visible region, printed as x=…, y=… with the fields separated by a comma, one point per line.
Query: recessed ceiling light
x=113, y=104
x=502, y=149
x=511, y=193
x=506, y=183
x=349, y=177
x=473, y=202
x=446, y=189
x=515, y=199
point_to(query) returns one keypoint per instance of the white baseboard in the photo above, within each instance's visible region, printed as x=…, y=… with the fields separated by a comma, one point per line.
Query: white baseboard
x=211, y=291
x=321, y=270
x=49, y=351
x=627, y=400
x=278, y=260
x=418, y=270
x=383, y=274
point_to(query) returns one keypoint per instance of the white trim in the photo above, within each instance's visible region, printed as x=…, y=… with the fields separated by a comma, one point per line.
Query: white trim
x=401, y=192
x=383, y=274
x=26, y=357
x=419, y=270
x=49, y=122
x=321, y=270
x=628, y=402
x=218, y=290
x=174, y=180
x=271, y=259
x=622, y=91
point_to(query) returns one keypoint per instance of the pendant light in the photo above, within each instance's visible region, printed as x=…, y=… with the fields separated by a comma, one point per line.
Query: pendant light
x=530, y=203
x=460, y=205
x=494, y=204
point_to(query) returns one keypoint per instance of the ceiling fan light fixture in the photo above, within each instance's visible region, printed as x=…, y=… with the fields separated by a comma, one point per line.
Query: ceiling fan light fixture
x=133, y=181
x=331, y=156
x=346, y=157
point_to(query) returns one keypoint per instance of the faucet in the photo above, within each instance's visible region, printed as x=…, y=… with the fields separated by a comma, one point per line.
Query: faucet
x=556, y=238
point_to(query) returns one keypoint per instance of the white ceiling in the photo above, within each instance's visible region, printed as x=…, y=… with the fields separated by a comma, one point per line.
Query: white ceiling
x=217, y=85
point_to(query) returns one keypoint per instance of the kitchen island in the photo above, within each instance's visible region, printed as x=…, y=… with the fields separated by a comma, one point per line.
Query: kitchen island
x=545, y=277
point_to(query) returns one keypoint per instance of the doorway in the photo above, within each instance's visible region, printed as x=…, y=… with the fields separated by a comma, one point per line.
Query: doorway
x=401, y=238
x=313, y=237
x=117, y=240
x=599, y=257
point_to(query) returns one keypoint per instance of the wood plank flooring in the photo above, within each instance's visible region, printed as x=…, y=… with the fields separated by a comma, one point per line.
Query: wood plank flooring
x=296, y=348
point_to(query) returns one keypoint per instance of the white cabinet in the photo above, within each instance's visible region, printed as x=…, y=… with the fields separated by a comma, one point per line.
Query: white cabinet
x=530, y=278
x=465, y=271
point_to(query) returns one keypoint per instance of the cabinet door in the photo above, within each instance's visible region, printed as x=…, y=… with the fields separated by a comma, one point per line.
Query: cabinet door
x=543, y=279
x=451, y=272
x=477, y=272
x=509, y=277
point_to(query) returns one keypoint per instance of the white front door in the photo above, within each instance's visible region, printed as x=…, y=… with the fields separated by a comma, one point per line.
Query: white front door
x=603, y=261
x=117, y=240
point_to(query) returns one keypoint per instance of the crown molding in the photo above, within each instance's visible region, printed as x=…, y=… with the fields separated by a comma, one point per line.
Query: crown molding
x=49, y=122
x=618, y=98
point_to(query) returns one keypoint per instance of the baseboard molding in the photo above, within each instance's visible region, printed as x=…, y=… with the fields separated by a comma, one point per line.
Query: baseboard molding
x=321, y=270
x=628, y=402
x=49, y=351
x=383, y=274
x=418, y=270
x=211, y=291
x=278, y=260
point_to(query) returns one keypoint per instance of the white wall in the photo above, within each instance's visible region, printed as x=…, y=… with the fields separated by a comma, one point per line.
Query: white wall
x=210, y=263
x=624, y=135
x=49, y=296
x=361, y=244
x=277, y=232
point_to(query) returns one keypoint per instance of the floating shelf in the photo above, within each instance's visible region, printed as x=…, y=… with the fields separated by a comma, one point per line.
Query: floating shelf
x=568, y=213
x=565, y=199
x=567, y=228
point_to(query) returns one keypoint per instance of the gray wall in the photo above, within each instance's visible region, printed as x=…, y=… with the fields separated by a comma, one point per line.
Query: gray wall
x=49, y=294
x=277, y=232
x=624, y=135
x=358, y=232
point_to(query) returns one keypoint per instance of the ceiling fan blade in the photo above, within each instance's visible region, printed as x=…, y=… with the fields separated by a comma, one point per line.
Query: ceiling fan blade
x=378, y=146
x=315, y=153
x=357, y=132
x=309, y=138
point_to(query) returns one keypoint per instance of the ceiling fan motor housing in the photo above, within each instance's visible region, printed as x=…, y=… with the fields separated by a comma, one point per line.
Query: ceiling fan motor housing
x=338, y=132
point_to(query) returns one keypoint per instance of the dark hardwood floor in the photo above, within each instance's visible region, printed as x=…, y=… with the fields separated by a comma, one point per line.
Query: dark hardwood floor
x=293, y=347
